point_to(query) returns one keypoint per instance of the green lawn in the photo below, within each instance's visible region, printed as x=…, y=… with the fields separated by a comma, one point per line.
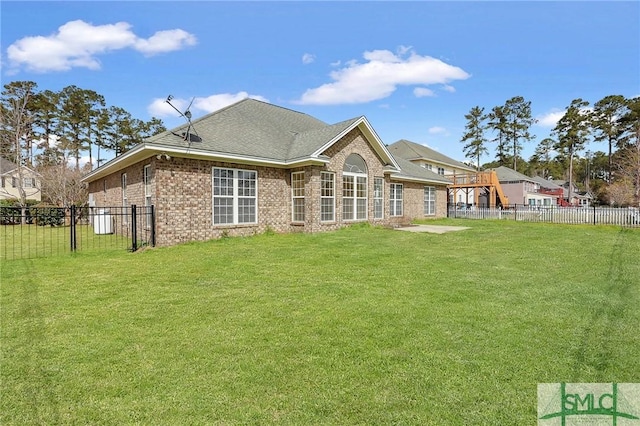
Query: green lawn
x=359, y=326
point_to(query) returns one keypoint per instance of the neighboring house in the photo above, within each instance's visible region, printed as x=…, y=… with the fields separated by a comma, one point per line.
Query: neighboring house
x=578, y=198
x=521, y=189
x=550, y=188
x=438, y=163
x=253, y=166
x=13, y=180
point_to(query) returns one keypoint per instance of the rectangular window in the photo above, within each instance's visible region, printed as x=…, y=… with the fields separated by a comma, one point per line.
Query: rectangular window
x=395, y=199
x=28, y=183
x=440, y=171
x=123, y=182
x=297, y=196
x=354, y=197
x=14, y=182
x=146, y=180
x=348, y=192
x=124, y=189
x=2, y=181
x=429, y=200
x=327, y=196
x=378, y=198
x=234, y=196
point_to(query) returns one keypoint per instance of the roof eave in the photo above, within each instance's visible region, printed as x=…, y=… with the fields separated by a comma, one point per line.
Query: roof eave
x=147, y=150
x=407, y=178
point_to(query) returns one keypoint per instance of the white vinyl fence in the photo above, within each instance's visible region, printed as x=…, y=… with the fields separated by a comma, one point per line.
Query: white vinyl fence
x=623, y=216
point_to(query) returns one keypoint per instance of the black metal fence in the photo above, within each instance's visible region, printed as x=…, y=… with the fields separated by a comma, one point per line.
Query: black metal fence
x=33, y=232
x=595, y=215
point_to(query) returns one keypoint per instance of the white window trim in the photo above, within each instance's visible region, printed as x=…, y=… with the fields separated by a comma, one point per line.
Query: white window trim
x=393, y=211
x=380, y=198
x=297, y=197
x=429, y=191
x=146, y=182
x=123, y=183
x=355, y=197
x=326, y=197
x=235, y=197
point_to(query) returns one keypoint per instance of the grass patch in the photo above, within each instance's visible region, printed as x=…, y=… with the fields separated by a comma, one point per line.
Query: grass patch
x=359, y=326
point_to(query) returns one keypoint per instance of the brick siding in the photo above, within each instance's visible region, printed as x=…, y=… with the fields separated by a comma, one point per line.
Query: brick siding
x=181, y=191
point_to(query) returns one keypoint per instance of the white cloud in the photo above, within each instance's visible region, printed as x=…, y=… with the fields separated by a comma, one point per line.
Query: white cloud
x=448, y=88
x=421, y=92
x=160, y=108
x=379, y=76
x=550, y=119
x=77, y=44
x=308, y=58
x=437, y=130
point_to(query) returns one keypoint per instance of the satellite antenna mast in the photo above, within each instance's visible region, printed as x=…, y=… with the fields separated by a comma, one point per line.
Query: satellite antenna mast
x=187, y=116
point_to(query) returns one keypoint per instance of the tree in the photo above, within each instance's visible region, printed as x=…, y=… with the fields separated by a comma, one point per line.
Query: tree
x=543, y=156
x=628, y=154
x=62, y=185
x=572, y=131
x=474, y=135
x=79, y=112
x=605, y=122
x=46, y=117
x=16, y=131
x=498, y=123
x=518, y=120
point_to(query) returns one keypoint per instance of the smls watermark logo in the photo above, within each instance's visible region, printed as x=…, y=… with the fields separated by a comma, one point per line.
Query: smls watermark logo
x=569, y=404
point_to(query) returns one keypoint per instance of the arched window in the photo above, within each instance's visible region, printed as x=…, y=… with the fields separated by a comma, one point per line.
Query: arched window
x=354, y=188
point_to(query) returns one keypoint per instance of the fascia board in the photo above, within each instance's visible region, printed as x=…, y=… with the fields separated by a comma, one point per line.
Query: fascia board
x=419, y=180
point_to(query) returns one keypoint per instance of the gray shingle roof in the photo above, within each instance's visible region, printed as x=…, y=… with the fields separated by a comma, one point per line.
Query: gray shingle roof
x=255, y=130
x=251, y=128
x=410, y=170
x=507, y=174
x=6, y=166
x=544, y=183
x=414, y=151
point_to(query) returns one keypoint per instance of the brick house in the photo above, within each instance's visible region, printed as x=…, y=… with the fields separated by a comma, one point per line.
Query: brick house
x=253, y=166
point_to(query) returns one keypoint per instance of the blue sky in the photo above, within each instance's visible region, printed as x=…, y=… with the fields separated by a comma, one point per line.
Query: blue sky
x=414, y=69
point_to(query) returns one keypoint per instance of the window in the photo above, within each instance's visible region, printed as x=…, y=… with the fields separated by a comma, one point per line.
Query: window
x=123, y=181
x=427, y=166
x=2, y=181
x=124, y=189
x=234, y=196
x=440, y=171
x=14, y=182
x=297, y=196
x=395, y=199
x=354, y=188
x=429, y=200
x=28, y=183
x=146, y=179
x=378, y=198
x=327, y=196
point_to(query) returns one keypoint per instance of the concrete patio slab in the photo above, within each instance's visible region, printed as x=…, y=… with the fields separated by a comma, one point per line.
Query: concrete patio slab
x=434, y=229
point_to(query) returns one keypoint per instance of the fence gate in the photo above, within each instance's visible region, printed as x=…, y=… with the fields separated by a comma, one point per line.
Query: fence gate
x=29, y=232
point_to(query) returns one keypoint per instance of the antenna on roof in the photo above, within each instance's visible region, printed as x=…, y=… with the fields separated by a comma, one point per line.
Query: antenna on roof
x=187, y=116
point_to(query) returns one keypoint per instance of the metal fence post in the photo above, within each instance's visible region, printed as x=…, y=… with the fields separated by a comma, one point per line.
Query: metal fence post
x=134, y=231
x=594, y=214
x=152, y=212
x=72, y=228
